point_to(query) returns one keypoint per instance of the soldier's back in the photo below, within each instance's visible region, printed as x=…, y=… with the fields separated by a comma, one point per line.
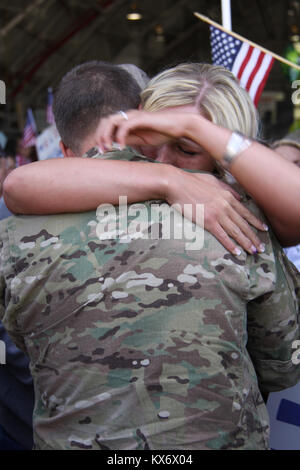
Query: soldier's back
x=134, y=343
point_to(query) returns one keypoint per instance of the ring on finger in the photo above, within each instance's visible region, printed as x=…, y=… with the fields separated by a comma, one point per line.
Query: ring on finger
x=124, y=115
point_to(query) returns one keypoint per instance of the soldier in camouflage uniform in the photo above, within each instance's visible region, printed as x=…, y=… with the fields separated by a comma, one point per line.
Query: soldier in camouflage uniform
x=140, y=343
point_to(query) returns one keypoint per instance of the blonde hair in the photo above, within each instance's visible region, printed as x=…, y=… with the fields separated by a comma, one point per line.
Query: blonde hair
x=213, y=89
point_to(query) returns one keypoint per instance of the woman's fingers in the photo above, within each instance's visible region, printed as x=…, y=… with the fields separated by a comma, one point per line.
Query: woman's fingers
x=244, y=241
x=218, y=221
x=106, y=130
x=143, y=128
x=248, y=216
x=235, y=220
x=223, y=237
x=225, y=215
x=230, y=214
x=244, y=234
x=234, y=201
x=135, y=128
x=233, y=238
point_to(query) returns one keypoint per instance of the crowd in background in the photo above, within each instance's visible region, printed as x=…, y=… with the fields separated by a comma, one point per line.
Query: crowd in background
x=12, y=155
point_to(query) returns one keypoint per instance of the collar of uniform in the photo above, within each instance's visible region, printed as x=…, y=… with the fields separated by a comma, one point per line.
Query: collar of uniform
x=93, y=152
x=127, y=154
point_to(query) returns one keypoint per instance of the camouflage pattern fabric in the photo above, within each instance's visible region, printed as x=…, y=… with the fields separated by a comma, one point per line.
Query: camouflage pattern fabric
x=140, y=343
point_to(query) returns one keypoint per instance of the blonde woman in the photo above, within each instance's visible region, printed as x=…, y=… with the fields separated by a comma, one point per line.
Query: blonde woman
x=214, y=105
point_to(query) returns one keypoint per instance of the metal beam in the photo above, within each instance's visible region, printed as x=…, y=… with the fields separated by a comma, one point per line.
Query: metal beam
x=27, y=52
x=73, y=57
x=108, y=5
x=11, y=8
x=60, y=65
x=53, y=48
x=266, y=19
x=174, y=44
x=20, y=17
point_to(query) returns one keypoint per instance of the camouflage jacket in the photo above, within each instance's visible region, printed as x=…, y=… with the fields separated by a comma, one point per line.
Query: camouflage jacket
x=139, y=342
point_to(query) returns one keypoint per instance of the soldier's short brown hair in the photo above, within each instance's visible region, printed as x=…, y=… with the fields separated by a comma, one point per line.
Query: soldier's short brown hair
x=86, y=94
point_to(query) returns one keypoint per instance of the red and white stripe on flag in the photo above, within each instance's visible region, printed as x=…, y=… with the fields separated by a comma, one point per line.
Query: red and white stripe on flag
x=30, y=131
x=248, y=63
x=252, y=68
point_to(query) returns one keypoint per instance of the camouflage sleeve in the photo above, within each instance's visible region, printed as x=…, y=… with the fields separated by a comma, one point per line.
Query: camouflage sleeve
x=273, y=328
x=128, y=154
x=7, y=275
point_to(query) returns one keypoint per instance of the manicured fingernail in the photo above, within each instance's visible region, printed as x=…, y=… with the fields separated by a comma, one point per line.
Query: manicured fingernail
x=237, y=252
x=265, y=227
x=253, y=249
x=262, y=248
x=100, y=150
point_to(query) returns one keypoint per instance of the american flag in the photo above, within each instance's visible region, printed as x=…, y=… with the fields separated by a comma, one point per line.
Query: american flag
x=50, y=115
x=30, y=130
x=248, y=63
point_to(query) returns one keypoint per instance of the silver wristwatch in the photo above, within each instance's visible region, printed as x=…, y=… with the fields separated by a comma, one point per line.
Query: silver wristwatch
x=237, y=144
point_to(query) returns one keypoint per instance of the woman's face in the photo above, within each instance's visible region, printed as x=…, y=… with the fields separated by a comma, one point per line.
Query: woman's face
x=183, y=153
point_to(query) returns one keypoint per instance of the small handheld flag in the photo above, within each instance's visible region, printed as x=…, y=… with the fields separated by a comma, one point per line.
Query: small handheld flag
x=49, y=114
x=249, y=64
x=30, y=130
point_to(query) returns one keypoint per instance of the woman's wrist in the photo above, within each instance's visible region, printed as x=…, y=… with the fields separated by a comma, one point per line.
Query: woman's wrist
x=213, y=138
x=193, y=127
x=167, y=181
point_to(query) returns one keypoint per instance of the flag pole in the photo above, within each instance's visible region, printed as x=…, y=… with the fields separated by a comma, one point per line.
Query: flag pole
x=241, y=38
x=226, y=14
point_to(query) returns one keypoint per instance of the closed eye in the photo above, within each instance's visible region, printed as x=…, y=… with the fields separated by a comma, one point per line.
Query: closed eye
x=187, y=152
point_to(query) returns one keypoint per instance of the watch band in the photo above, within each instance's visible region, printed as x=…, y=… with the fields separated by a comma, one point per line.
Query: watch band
x=237, y=144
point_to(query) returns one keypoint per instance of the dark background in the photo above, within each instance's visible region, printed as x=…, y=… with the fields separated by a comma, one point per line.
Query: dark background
x=40, y=40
